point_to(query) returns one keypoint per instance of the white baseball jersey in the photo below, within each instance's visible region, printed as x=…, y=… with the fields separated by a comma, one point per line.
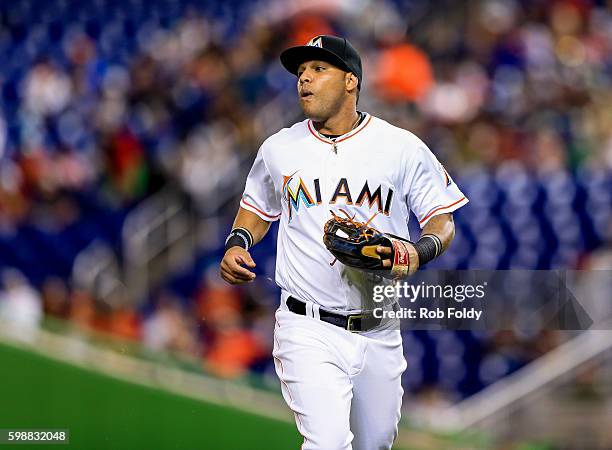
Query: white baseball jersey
x=299, y=175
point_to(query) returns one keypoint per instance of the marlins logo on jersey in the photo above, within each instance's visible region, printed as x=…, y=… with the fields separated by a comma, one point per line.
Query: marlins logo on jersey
x=447, y=179
x=295, y=190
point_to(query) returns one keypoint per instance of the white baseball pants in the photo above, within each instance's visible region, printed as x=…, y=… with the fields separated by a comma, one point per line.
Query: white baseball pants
x=344, y=388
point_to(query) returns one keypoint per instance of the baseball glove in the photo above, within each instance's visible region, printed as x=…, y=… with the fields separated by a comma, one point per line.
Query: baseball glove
x=354, y=244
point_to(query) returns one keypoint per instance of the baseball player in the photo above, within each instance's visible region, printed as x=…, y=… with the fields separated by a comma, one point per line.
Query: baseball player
x=340, y=368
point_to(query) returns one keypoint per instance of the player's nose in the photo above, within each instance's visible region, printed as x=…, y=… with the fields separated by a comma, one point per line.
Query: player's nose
x=305, y=77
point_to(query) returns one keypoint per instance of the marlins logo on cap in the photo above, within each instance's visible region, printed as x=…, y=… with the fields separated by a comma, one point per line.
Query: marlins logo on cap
x=315, y=42
x=333, y=49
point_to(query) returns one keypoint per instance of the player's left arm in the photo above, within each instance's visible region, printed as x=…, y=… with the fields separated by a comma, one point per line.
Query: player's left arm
x=432, y=195
x=437, y=235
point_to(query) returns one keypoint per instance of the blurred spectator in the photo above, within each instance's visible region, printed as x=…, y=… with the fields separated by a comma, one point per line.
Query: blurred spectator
x=127, y=168
x=232, y=347
x=82, y=310
x=47, y=90
x=55, y=298
x=20, y=304
x=124, y=323
x=169, y=328
x=404, y=74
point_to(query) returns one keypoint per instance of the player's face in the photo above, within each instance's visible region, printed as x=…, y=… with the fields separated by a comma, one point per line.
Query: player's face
x=321, y=89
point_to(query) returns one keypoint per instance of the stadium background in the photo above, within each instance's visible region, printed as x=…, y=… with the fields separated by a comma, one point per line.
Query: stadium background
x=126, y=132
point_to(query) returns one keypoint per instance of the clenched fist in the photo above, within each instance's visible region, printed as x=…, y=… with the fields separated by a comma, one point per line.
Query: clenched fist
x=232, y=266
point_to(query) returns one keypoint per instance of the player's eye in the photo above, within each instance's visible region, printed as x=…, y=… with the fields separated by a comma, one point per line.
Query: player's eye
x=319, y=68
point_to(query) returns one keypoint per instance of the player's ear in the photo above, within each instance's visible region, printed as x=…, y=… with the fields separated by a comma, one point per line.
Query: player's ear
x=351, y=81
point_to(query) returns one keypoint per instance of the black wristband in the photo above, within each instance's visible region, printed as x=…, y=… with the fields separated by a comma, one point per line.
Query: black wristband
x=428, y=247
x=239, y=237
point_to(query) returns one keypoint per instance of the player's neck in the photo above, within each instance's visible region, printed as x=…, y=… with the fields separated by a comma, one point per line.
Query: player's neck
x=340, y=123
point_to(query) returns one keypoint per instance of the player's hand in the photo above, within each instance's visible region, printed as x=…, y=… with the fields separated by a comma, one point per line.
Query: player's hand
x=232, y=266
x=386, y=253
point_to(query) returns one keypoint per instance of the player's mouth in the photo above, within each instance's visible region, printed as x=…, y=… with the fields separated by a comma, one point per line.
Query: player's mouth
x=306, y=94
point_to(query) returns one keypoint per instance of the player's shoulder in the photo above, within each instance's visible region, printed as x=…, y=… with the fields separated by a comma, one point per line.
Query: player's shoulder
x=285, y=135
x=401, y=139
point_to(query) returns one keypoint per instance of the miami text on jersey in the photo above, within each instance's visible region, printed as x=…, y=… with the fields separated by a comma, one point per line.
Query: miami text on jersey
x=295, y=192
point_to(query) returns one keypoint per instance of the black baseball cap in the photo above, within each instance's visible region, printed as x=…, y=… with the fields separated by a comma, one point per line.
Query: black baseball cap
x=332, y=49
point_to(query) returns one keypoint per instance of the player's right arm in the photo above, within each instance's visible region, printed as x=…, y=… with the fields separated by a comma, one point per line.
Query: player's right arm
x=260, y=205
x=237, y=260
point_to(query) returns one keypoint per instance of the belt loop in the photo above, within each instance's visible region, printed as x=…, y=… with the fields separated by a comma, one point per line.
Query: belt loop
x=284, y=298
x=309, y=309
x=315, y=312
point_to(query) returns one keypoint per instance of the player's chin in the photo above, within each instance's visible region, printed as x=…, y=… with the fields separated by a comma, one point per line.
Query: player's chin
x=311, y=111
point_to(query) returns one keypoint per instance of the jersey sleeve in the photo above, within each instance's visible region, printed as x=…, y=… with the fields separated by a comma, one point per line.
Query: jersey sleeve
x=260, y=195
x=429, y=189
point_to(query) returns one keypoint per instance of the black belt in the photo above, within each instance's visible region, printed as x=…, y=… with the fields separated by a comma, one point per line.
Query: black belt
x=352, y=322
